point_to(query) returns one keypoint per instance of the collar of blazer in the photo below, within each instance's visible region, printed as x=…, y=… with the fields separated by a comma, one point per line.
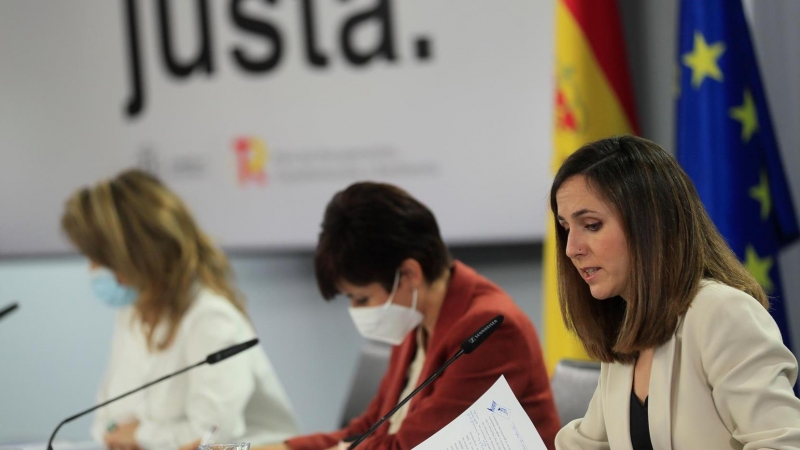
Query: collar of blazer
x=659, y=398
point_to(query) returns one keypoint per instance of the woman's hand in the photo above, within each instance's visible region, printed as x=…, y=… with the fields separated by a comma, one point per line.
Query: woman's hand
x=123, y=437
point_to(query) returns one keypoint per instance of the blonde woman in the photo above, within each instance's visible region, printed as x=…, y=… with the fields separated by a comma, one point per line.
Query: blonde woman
x=176, y=304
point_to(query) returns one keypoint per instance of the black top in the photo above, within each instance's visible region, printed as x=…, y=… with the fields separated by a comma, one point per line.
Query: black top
x=640, y=431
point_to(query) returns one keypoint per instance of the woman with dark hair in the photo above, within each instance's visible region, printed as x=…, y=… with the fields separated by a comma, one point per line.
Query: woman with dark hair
x=690, y=356
x=381, y=248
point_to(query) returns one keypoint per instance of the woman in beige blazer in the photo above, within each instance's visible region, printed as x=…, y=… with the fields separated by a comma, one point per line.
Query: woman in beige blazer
x=691, y=359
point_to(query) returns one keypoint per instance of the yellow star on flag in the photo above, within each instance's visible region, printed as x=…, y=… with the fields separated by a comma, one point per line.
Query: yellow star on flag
x=759, y=267
x=703, y=60
x=746, y=115
x=760, y=193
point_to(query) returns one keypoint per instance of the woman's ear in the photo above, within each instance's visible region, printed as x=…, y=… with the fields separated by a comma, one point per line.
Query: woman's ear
x=411, y=270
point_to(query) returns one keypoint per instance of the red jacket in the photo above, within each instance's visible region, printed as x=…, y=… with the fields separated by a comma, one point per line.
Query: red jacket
x=513, y=350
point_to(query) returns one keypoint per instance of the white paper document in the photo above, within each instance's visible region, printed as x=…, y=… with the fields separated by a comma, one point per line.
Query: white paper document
x=496, y=421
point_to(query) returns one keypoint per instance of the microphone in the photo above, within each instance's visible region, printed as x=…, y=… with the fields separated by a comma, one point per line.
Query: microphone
x=230, y=351
x=477, y=339
x=210, y=359
x=467, y=347
x=8, y=309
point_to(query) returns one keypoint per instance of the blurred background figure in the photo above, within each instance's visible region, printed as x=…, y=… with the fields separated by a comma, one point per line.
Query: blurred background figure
x=176, y=303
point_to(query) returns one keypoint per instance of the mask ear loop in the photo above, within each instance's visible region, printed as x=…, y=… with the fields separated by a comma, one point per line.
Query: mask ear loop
x=394, y=289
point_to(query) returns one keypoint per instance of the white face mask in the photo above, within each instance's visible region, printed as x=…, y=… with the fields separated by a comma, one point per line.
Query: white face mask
x=388, y=323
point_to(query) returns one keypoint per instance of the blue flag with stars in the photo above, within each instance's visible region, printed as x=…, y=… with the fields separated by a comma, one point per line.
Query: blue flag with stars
x=726, y=144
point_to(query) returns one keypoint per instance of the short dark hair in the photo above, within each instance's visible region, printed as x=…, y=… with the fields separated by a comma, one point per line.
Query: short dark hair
x=368, y=230
x=672, y=242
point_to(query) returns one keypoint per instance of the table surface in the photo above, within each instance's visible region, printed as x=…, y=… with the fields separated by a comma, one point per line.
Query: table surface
x=57, y=445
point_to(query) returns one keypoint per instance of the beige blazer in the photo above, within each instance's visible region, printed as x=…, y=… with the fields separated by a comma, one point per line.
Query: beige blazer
x=724, y=381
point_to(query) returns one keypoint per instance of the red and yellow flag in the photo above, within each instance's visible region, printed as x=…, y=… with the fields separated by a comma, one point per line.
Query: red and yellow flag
x=593, y=100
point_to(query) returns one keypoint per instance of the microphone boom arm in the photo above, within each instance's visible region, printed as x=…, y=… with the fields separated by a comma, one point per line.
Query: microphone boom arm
x=405, y=400
x=75, y=416
x=211, y=359
x=467, y=347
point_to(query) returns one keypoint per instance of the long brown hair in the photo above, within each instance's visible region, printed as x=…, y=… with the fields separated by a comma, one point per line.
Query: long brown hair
x=135, y=226
x=672, y=242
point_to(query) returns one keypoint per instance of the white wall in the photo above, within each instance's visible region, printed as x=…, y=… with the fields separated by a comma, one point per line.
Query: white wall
x=52, y=348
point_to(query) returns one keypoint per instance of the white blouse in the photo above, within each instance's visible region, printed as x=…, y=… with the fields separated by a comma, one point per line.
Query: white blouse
x=241, y=396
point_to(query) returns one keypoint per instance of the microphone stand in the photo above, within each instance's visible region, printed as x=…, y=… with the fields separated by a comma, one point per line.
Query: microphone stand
x=71, y=418
x=211, y=359
x=405, y=400
x=467, y=347
x=8, y=309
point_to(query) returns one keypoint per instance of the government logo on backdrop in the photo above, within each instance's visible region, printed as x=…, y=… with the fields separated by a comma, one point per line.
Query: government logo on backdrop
x=252, y=157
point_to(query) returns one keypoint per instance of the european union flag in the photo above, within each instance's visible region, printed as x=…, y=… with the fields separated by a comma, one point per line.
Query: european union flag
x=726, y=144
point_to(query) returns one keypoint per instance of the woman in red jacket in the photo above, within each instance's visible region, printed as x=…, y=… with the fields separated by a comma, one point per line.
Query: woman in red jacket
x=381, y=248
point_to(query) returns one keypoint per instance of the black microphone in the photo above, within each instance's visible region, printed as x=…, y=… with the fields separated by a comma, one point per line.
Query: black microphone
x=467, y=346
x=8, y=309
x=477, y=339
x=211, y=359
x=230, y=351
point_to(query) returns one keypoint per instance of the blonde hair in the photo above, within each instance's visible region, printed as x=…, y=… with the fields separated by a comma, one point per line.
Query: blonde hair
x=137, y=227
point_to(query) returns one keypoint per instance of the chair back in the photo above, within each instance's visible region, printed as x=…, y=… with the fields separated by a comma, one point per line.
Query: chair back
x=372, y=364
x=573, y=384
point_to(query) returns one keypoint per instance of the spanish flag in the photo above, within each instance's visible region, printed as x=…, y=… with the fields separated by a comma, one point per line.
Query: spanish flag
x=593, y=101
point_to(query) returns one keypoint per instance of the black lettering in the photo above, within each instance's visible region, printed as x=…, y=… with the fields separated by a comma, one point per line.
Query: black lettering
x=135, y=103
x=202, y=61
x=423, y=49
x=314, y=56
x=381, y=14
x=264, y=29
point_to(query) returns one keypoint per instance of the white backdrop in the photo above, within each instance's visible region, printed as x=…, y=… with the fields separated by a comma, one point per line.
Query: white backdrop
x=454, y=105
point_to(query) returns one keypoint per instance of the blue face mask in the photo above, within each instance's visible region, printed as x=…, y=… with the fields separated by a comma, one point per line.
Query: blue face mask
x=106, y=287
